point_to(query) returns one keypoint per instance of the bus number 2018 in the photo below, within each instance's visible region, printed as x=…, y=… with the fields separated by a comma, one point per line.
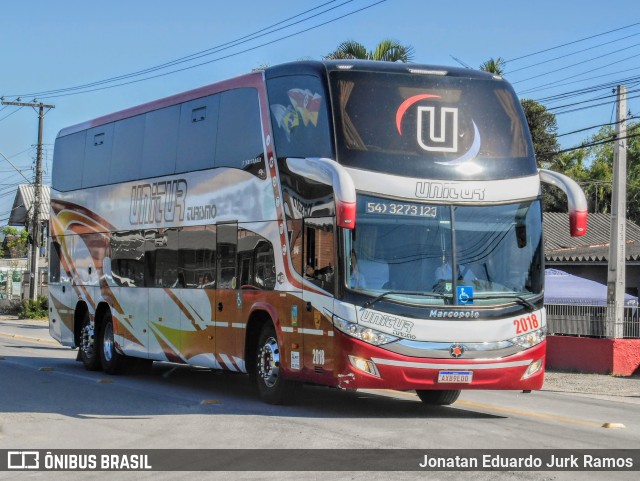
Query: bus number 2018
x=526, y=324
x=318, y=357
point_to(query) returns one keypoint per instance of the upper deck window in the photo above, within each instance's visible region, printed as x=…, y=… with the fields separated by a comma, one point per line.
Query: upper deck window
x=430, y=126
x=298, y=106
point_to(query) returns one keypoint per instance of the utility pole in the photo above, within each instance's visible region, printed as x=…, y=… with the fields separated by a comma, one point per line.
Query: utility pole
x=35, y=229
x=616, y=273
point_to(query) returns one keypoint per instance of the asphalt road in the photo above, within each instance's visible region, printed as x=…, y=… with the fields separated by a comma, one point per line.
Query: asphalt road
x=48, y=401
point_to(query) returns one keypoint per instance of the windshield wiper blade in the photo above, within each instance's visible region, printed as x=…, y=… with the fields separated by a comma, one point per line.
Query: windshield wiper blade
x=406, y=293
x=521, y=300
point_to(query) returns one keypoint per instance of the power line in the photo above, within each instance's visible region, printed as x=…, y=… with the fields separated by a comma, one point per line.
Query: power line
x=571, y=43
x=10, y=163
x=592, y=106
x=596, y=126
x=587, y=145
x=215, y=49
x=210, y=51
x=587, y=101
x=181, y=59
x=9, y=115
x=589, y=89
x=580, y=63
x=223, y=57
x=572, y=53
x=588, y=71
x=557, y=83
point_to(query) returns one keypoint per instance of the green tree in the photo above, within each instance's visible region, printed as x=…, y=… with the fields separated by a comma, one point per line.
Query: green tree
x=543, y=127
x=15, y=242
x=597, y=186
x=388, y=50
x=494, y=66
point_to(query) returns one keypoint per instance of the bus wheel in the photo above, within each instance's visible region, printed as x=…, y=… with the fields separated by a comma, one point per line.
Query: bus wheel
x=438, y=398
x=272, y=388
x=112, y=361
x=89, y=345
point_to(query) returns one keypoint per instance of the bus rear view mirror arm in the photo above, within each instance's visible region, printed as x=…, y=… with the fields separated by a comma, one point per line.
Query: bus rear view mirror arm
x=575, y=196
x=329, y=172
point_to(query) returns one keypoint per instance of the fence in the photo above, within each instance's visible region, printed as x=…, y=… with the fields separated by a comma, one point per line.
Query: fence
x=10, y=282
x=592, y=321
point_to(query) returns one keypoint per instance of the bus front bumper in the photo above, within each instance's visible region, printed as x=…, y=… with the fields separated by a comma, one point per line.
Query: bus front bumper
x=365, y=366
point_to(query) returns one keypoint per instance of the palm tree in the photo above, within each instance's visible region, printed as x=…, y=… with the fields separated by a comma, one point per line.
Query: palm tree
x=494, y=66
x=388, y=50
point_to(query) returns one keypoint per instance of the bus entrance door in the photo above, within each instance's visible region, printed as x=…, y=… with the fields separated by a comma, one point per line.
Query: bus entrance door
x=229, y=340
x=319, y=256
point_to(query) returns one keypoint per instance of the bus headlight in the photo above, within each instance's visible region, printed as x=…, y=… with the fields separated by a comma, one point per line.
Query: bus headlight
x=363, y=333
x=533, y=368
x=530, y=339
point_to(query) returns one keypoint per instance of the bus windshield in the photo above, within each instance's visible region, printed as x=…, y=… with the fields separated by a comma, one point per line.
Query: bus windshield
x=412, y=250
x=431, y=126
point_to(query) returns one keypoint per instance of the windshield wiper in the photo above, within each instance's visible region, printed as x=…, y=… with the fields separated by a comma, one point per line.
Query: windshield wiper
x=406, y=293
x=521, y=300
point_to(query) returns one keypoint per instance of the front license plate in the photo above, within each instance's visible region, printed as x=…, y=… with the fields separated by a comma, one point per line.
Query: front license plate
x=456, y=377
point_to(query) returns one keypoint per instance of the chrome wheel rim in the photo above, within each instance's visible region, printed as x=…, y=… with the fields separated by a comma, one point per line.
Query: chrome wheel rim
x=87, y=340
x=107, y=342
x=269, y=362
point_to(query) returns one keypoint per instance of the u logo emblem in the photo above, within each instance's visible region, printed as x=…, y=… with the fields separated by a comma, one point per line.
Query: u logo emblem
x=442, y=132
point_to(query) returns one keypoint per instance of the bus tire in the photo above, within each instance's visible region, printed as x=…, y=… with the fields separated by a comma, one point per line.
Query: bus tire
x=273, y=389
x=89, y=346
x=112, y=362
x=438, y=398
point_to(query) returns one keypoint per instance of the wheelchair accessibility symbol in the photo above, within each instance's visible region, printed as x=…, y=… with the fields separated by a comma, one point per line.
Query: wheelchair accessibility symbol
x=464, y=295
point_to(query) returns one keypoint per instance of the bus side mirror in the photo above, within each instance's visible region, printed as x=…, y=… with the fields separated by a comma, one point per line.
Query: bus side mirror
x=331, y=173
x=575, y=197
x=346, y=214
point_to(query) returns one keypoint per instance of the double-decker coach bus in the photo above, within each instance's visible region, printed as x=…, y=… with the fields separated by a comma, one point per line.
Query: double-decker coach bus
x=345, y=223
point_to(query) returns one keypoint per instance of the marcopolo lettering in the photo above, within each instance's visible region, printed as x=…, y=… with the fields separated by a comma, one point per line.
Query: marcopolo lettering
x=157, y=202
x=454, y=314
x=443, y=190
x=397, y=324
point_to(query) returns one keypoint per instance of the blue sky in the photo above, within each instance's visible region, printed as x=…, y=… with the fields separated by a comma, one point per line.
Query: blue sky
x=47, y=45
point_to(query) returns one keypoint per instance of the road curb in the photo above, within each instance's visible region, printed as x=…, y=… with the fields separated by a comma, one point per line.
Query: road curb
x=27, y=338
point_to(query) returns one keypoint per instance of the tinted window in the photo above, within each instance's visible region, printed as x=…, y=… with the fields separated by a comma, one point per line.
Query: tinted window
x=54, y=262
x=127, y=258
x=197, y=136
x=239, y=131
x=160, y=142
x=294, y=228
x=319, y=252
x=265, y=266
x=299, y=117
x=128, y=137
x=256, y=263
x=431, y=126
x=161, y=258
x=227, y=237
x=196, y=257
x=68, y=161
x=97, y=158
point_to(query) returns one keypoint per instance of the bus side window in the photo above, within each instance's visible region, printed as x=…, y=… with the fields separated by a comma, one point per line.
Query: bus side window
x=196, y=257
x=162, y=250
x=256, y=262
x=319, y=251
x=127, y=258
x=294, y=228
x=265, y=266
x=227, y=239
x=54, y=262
